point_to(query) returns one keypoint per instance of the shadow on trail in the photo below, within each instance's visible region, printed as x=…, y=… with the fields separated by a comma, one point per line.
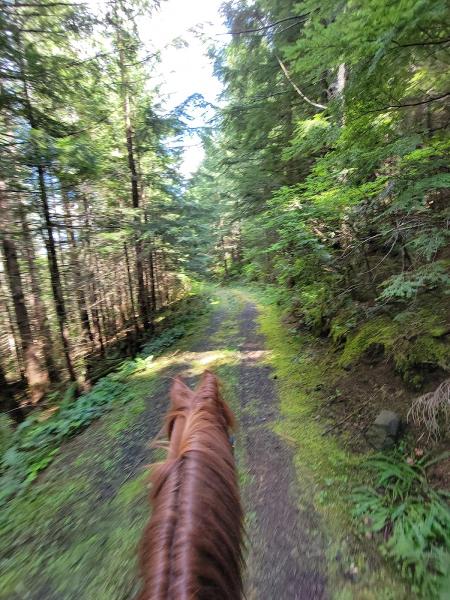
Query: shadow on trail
x=75, y=534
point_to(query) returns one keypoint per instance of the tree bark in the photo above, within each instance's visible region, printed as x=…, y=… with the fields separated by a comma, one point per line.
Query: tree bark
x=35, y=374
x=50, y=240
x=8, y=402
x=76, y=271
x=130, y=289
x=39, y=309
x=135, y=196
x=55, y=277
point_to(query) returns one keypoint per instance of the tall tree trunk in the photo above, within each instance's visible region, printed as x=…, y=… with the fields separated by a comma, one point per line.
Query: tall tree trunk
x=8, y=402
x=55, y=278
x=165, y=283
x=135, y=196
x=130, y=289
x=152, y=273
x=76, y=271
x=96, y=318
x=36, y=376
x=15, y=346
x=39, y=309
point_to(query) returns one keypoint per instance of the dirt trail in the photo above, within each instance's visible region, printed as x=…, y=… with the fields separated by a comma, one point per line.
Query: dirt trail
x=87, y=543
x=284, y=543
x=285, y=549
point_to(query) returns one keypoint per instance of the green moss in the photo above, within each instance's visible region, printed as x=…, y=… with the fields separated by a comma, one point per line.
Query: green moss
x=380, y=331
x=300, y=369
x=412, y=340
x=6, y=433
x=83, y=520
x=125, y=420
x=424, y=350
x=343, y=324
x=132, y=490
x=327, y=471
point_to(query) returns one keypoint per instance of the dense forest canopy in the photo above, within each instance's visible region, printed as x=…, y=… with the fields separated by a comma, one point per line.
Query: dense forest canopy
x=329, y=174
x=92, y=230
x=326, y=173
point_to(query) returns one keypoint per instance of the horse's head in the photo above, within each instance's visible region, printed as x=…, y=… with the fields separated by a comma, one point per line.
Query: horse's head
x=195, y=500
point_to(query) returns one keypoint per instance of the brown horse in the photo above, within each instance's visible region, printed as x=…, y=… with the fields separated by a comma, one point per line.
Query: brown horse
x=192, y=545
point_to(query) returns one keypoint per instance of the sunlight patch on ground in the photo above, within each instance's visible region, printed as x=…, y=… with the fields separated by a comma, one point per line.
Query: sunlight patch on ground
x=194, y=363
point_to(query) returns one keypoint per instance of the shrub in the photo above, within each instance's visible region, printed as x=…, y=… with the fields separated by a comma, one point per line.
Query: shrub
x=409, y=518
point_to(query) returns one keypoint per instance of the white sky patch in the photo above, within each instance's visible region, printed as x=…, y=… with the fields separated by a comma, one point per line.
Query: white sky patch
x=184, y=71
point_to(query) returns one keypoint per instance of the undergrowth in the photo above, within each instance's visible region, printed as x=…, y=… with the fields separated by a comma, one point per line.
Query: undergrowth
x=35, y=442
x=409, y=519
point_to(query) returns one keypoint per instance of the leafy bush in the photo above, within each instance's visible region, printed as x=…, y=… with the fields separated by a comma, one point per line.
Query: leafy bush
x=410, y=518
x=407, y=285
x=35, y=443
x=165, y=340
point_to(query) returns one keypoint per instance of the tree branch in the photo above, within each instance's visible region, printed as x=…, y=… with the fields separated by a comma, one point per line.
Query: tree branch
x=41, y=5
x=296, y=88
x=432, y=43
x=264, y=27
x=406, y=104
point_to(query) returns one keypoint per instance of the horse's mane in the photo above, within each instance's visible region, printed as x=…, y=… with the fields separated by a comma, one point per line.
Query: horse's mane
x=191, y=547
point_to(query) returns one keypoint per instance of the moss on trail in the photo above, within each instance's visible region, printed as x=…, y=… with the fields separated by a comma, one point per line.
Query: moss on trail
x=326, y=471
x=74, y=533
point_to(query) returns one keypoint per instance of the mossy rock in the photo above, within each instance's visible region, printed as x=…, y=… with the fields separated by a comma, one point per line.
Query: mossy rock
x=379, y=333
x=414, y=339
x=424, y=351
x=344, y=323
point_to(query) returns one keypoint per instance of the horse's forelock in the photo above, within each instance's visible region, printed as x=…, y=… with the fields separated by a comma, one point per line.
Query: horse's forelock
x=209, y=389
x=194, y=535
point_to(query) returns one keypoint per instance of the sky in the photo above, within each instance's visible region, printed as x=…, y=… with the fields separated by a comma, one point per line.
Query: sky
x=184, y=71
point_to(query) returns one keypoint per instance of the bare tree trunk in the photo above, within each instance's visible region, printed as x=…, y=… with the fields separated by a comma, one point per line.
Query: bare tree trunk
x=50, y=241
x=130, y=288
x=135, y=196
x=36, y=376
x=55, y=277
x=96, y=318
x=8, y=402
x=152, y=273
x=76, y=271
x=13, y=333
x=40, y=311
x=165, y=270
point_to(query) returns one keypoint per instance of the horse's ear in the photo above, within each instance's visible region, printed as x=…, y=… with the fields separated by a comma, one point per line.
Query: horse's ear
x=180, y=395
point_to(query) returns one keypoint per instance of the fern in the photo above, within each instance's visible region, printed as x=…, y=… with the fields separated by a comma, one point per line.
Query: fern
x=411, y=518
x=407, y=285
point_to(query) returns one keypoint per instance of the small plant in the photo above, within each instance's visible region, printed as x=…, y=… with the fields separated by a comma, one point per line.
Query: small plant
x=410, y=519
x=157, y=345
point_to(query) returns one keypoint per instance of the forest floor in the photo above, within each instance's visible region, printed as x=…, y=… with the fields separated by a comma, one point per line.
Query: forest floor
x=75, y=533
